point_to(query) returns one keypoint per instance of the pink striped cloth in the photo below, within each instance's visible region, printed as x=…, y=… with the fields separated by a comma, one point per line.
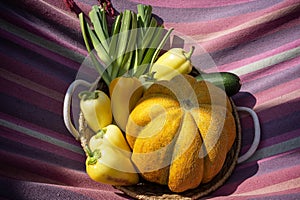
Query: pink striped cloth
x=41, y=50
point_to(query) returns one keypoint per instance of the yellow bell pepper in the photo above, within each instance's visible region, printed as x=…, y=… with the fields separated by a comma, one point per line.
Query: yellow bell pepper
x=174, y=62
x=111, y=135
x=109, y=158
x=109, y=165
x=96, y=109
x=124, y=94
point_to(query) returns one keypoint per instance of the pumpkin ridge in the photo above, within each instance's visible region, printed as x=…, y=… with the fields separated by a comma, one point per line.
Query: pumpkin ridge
x=144, y=111
x=214, y=136
x=186, y=169
x=152, y=155
x=162, y=97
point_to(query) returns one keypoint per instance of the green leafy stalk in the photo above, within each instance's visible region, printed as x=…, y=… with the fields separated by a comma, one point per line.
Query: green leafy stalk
x=158, y=36
x=144, y=60
x=99, y=26
x=97, y=64
x=149, y=33
x=101, y=51
x=136, y=59
x=84, y=32
x=104, y=23
x=152, y=52
x=160, y=46
x=114, y=41
x=148, y=37
x=122, y=40
x=143, y=19
x=144, y=14
x=127, y=59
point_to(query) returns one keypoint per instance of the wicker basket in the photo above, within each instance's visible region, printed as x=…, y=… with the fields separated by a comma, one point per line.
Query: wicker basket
x=147, y=190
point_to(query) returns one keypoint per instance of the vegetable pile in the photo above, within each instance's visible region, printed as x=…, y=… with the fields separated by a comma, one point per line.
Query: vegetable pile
x=146, y=90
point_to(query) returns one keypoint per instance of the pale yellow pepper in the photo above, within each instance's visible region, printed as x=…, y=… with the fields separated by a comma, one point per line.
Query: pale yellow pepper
x=174, y=62
x=109, y=158
x=111, y=135
x=110, y=166
x=96, y=109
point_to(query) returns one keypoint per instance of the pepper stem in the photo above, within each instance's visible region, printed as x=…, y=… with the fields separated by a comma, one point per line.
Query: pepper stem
x=87, y=95
x=88, y=151
x=92, y=156
x=101, y=133
x=188, y=55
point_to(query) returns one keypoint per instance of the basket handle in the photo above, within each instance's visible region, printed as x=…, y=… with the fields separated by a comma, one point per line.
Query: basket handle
x=257, y=134
x=67, y=106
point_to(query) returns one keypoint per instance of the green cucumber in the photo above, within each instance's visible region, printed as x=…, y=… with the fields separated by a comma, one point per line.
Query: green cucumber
x=227, y=81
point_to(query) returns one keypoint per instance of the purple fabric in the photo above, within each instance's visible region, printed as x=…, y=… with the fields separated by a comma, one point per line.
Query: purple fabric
x=41, y=51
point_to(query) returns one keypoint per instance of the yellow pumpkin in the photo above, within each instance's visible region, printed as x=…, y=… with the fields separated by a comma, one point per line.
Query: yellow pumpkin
x=180, y=132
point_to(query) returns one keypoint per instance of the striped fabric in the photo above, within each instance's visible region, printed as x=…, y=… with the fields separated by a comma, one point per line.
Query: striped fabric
x=41, y=50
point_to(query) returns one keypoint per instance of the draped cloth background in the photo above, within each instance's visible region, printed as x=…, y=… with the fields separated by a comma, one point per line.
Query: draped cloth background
x=41, y=50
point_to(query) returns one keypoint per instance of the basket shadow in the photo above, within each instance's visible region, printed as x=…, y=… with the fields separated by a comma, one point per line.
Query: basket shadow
x=240, y=174
x=244, y=99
